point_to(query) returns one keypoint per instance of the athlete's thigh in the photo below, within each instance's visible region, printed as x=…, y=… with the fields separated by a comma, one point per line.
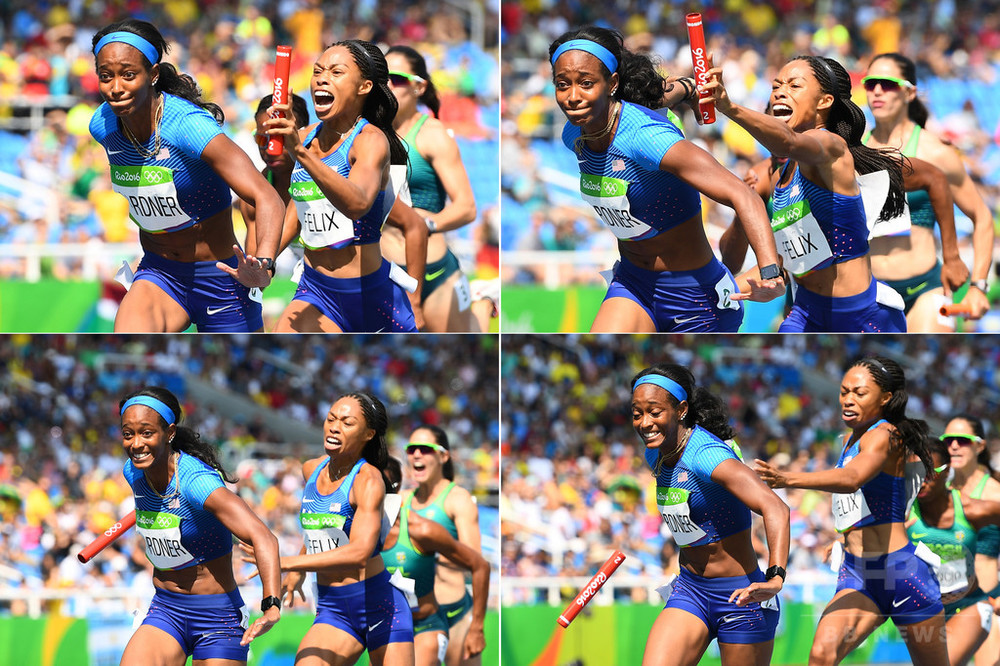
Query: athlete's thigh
x=426, y=648
x=925, y=641
x=151, y=646
x=146, y=308
x=746, y=654
x=441, y=309
x=326, y=645
x=456, y=643
x=847, y=620
x=302, y=317
x=677, y=638
x=965, y=635
x=622, y=315
x=217, y=662
x=392, y=654
x=988, y=653
x=924, y=316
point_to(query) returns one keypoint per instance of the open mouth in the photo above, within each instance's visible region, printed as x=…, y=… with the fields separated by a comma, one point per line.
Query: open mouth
x=322, y=100
x=138, y=457
x=782, y=111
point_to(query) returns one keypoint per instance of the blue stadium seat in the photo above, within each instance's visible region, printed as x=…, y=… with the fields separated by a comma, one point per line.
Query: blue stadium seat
x=11, y=147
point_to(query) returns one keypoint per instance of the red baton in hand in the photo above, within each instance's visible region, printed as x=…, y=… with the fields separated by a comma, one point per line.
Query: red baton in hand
x=110, y=534
x=699, y=58
x=592, y=588
x=282, y=67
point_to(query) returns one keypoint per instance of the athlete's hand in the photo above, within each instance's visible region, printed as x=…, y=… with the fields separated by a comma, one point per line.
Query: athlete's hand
x=752, y=288
x=475, y=641
x=418, y=311
x=756, y=592
x=261, y=625
x=769, y=474
x=715, y=86
x=290, y=584
x=249, y=271
x=977, y=302
x=954, y=273
x=284, y=126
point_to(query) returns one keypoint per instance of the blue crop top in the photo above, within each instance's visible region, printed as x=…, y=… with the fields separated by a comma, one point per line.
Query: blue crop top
x=322, y=225
x=327, y=519
x=697, y=510
x=177, y=529
x=815, y=228
x=174, y=189
x=625, y=185
x=881, y=500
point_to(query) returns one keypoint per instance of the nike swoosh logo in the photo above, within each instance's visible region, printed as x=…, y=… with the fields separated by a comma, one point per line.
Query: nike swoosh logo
x=212, y=311
x=308, y=500
x=454, y=612
x=436, y=274
x=897, y=604
x=684, y=320
x=372, y=628
x=139, y=496
x=296, y=171
x=919, y=536
x=912, y=290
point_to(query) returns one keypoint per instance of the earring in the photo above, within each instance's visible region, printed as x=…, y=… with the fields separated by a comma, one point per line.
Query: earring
x=613, y=91
x=155, y=80
x=684, y=416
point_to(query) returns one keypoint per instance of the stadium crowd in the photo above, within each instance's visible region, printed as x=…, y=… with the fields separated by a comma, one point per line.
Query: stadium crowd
x=46, y=67
x=575, y=485
x=955, y=45
x=60, y=442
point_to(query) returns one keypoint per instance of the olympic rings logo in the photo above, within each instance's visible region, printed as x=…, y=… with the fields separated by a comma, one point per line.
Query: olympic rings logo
x=163, y=521
x=111, y=530
x=153, y=176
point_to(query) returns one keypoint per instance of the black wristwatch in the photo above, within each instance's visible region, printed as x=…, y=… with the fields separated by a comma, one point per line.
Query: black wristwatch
x=980, y=285
x=267, y=264
x=770, y=272
x=268, y=602
x=775, y=571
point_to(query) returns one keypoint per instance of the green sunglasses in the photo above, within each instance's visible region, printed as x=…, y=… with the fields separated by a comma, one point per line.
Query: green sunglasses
x=888, y=83
x=959, y=438
x=402, y=78
x=938, y=470
x=425, y=448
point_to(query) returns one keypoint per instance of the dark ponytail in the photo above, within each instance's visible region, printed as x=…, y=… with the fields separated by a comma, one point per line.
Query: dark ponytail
x=912, y=434
x=847, y=120
x=380, y=106
x=419, y=66
x=704, y=408
x=170, y=80
x=638, y=80
x=376, y=452
x=915, y=111
x=185, y=440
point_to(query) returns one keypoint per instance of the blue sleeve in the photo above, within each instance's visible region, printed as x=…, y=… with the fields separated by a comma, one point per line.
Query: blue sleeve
x=570, y=134
x=100, y=123
x=198, y=481
x=193, y=127
x=653, y=137
x=709, y=455
x=651, y=456
x=129, y=473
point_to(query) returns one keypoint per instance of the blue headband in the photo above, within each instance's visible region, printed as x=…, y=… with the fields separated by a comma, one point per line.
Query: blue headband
x=132, y=39
x=593, y=48
x=669, y=385
x=157, y=405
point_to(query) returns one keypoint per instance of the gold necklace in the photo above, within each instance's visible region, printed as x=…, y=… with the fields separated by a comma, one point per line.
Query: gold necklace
x=139, y=148
x=680, y=447
x=612, y=117
x=177, y=489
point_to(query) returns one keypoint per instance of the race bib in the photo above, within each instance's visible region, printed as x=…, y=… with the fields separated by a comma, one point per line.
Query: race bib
x=609, y=198
x=151, y=195
x=463, y=295
x=676, y=512
x=321, y=224
x=725, y=288
x=799, y=238
x=849, y=509
x=323, y=531
x=406, y=586
x=953, y=575
x=162, y=534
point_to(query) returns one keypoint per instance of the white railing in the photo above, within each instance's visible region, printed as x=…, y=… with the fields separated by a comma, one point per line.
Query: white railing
x=553, y=263
x=94, y=255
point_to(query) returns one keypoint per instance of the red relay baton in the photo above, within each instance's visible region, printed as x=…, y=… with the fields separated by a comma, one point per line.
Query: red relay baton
x=699, y=58
x=592, y=588
x=955, y=309
x=282, y=67
x=110, y=534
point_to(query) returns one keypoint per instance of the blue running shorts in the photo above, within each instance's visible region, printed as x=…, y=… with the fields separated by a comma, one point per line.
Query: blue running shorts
x=861, y=313
x=372, y=303
x=902, y=585
x=708, y=600
x=373, y=611
x=207, y=626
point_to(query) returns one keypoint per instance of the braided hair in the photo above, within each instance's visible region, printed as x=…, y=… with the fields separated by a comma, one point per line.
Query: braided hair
x=185, y=439
x=912, y=434
x=915, y=111
x=429, y=98
x=380, y=105
x=847, y=120
x=376, y=451
x=638, y=80
x=170, y=80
